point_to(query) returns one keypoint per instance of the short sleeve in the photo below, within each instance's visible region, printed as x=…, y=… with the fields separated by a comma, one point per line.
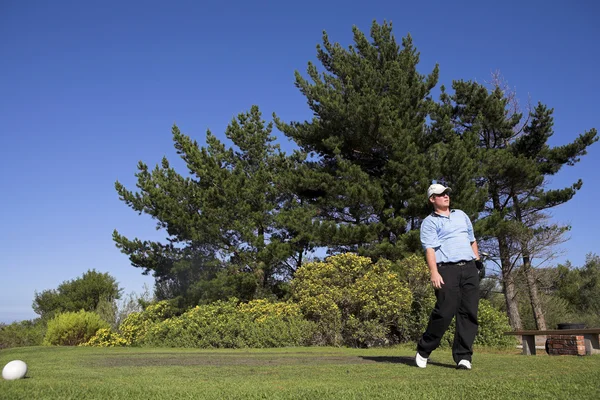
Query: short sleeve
x=429, y=236
x=470, y=232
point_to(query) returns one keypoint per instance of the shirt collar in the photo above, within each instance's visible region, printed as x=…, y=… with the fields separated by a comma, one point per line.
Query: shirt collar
x=434, y=214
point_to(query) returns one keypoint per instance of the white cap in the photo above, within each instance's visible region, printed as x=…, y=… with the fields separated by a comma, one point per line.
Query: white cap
x=436, y=188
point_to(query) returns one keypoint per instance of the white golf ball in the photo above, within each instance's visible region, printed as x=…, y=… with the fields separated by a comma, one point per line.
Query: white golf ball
x=14, y=370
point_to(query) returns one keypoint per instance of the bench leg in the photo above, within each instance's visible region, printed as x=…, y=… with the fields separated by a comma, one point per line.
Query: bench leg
x=529, y=345
x=591, y=344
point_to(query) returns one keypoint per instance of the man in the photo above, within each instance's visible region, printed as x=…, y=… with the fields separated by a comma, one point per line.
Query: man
x=450, y=251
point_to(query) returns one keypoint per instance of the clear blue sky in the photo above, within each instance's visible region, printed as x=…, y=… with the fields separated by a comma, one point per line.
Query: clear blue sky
x=89, y=88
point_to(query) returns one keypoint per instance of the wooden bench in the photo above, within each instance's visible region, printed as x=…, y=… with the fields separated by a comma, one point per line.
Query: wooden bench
x=590, y=338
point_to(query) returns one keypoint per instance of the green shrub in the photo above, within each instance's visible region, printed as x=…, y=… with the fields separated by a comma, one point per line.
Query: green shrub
x=225, y=324
x=107, y=310
x=413, y=270
x=274, y=324
x=24, y=333
x=104, y=337
x=73, y=328
x=202, y=326
x=275, y=332
x=364, y=333
x=352, y=300
x=492, y=325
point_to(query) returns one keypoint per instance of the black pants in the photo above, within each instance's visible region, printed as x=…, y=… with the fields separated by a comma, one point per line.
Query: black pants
x=459, y=296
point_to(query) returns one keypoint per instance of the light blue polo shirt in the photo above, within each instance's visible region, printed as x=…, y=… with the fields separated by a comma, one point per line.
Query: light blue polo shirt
x=450, y=236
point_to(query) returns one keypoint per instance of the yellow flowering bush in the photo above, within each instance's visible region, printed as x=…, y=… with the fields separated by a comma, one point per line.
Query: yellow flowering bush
x=380, y=294
x=135, y=327
x=105, y=338
x=413, y=270
x=261, y=310
x=353, y=300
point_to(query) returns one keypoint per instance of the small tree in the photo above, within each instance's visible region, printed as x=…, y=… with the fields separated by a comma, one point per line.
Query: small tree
x=85, y=293
x=580, y=287
x=514, y=159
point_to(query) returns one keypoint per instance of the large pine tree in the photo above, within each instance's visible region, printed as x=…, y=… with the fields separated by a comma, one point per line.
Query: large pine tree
x=367, y=145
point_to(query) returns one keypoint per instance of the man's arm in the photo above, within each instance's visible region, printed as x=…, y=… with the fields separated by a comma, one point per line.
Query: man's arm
x=430, y=241
x=475, y=249
x=436, y=278
x=471, y=235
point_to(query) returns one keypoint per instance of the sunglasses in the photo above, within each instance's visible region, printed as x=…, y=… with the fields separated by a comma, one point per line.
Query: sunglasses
x=442, y=194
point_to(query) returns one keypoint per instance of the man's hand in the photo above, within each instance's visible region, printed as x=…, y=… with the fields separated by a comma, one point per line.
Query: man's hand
x=436, y=280
x=480, y=268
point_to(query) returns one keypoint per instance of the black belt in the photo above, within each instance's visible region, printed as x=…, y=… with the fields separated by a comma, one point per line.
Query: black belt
x=459, y=263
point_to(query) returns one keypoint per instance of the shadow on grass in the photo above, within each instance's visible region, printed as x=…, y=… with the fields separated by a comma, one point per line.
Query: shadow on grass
x=410, y=361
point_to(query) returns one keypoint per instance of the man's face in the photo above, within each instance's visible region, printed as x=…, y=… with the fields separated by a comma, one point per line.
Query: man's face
x=440, y=200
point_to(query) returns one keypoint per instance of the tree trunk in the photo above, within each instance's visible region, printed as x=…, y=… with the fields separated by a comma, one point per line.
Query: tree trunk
x=512, y=306
x=534, y=299
x=508, y=286
x=536, y=305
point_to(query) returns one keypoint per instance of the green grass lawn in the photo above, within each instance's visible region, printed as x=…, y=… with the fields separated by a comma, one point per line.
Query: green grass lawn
x=293, y=373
